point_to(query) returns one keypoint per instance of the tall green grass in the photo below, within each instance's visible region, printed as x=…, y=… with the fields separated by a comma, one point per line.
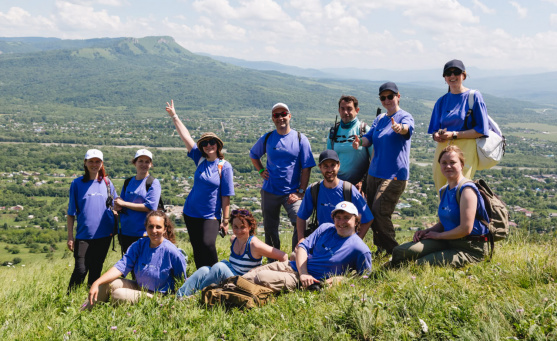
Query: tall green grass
x=511, y=297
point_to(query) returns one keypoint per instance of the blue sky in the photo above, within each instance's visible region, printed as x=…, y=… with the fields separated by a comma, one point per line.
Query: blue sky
x=396, y=34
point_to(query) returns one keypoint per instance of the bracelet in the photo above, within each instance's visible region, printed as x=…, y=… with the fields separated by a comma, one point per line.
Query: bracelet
x=261, y=171
x=226, y=218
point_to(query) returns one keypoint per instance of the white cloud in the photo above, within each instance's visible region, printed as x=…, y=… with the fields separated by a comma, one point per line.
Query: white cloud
x=82, y=17
x=483, y=7
x=551, y=1
x=521, y=11
x=17, y=22
x=114, y=3
x=553, y=19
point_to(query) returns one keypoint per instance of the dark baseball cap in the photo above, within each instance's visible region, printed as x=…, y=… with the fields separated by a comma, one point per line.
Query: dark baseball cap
x=388, y=86
x=455, y=63
x=328, y=154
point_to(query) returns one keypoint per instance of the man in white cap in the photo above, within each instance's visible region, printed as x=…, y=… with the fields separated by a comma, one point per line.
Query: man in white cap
x=286, y=174
x=332, y=250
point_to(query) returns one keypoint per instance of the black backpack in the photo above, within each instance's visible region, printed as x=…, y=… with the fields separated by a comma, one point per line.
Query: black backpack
x=334, y=130
x=314, y=190
x=148, y=184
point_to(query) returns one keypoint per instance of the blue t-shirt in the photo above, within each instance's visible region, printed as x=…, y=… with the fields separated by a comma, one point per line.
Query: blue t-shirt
x=354, y=164
x=327, y=199
x=133, y=222
x=94, y=220
x=330, y=254
x=449, y=211
x=450, y=111
x=155, y=269
x=286, y=157
x=205, y=198
x=391, y=158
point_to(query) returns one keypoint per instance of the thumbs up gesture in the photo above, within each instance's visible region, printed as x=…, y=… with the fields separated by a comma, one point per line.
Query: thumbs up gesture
x=356, y=143
x=397, y=127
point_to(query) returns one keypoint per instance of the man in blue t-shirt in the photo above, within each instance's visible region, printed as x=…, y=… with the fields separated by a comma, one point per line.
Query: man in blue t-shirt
x=330, y=251
x=286, y=174
x=353, y=163
x=331, y=192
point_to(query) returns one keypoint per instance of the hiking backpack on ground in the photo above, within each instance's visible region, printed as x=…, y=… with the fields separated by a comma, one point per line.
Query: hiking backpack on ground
x=237, y=292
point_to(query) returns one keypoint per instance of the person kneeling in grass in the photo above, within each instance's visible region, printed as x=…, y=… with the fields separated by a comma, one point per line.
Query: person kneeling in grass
x=246, y=252
x=156, y=262
x=332, y=250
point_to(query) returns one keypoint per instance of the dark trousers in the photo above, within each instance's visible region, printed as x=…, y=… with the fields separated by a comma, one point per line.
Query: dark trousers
x=382, y=197
x=89, y=255
x=203, y=235
x=126, y=241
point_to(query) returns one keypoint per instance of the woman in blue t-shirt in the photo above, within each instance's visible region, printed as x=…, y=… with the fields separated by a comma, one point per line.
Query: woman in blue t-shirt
x=209, y=198
x=389, y=170
x=459, y=237
x=91, y=200
x=136, y=200
x=156, y=262
x=246, y=253
x=448, y=122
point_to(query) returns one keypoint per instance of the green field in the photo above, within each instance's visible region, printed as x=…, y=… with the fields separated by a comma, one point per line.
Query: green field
x=511, y=297
x=533, y=130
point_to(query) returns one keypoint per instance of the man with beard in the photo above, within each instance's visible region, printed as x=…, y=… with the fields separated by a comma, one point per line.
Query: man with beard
x=330, y=192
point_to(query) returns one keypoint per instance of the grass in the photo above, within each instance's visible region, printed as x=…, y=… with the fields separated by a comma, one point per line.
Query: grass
x=511, y=297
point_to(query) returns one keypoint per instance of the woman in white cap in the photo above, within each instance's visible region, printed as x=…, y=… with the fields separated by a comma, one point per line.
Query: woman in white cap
x=140, y=195
x=91, y=201
x=450, y=123
x=207, y=207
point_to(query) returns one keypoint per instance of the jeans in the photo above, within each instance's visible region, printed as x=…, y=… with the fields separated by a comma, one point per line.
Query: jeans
x=270, y=205
x=206, y=276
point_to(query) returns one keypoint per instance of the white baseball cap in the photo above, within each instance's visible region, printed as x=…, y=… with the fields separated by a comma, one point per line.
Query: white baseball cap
x=143, y=152
x=345, y=206
x=280, y=105
x=94, y=153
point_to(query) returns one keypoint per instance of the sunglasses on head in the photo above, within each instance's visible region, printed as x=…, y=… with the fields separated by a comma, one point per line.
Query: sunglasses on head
x=280, y=114
x=205, y=143
x=456, y=72
x=244, y=213
x=390, y=97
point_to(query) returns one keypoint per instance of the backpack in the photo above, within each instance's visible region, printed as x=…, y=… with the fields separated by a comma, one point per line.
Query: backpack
x=314, y=189
x=237, y=292
x=490, y=149
x=148, y=184
x=496, y=211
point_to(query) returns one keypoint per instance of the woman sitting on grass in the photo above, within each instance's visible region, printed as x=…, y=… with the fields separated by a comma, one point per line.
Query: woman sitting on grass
x=246, y=252
x=459, y=237
x=156, y=262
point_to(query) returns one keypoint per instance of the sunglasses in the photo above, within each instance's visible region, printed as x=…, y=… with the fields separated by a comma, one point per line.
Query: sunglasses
x=205, y=143
x=244, y=213
x=456, y=72
x=390, y=97
x=280, y=114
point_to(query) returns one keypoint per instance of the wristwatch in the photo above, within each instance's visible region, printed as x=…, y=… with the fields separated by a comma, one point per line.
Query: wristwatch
x=454, y=135
x=301, y=190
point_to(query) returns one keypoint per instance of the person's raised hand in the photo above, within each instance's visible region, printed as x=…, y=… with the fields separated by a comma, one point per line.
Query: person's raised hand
x=170, y=108
x=356, y=143
x=397, y=127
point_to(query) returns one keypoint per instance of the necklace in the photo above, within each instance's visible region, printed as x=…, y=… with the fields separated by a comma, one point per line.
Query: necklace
x=241, y=251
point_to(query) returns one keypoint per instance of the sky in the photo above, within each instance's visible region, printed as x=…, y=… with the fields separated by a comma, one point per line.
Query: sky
x=371, y=34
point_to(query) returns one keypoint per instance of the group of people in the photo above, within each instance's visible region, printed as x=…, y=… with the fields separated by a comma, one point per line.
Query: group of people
x=365, y=170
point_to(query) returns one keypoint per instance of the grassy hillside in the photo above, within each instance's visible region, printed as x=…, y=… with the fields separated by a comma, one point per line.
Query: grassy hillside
x=511, y=297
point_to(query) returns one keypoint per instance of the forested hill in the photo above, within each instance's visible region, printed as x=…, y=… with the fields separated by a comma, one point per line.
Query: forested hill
x=129, y=75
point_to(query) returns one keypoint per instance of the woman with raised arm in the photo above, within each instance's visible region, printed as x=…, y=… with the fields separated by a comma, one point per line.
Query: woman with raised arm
x=246, y=253
x=450, y=124
x=459, y=237
x=91, y=201
x=389, y=170
x=139, y=196
x=156, y=262
x=207, y=207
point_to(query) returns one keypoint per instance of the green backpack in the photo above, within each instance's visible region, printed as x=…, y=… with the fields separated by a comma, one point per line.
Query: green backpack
x=237, y=292
x=496, y=210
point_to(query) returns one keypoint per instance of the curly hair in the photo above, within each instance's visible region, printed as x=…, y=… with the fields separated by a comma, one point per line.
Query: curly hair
x=169, y=227
x=246, y=220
